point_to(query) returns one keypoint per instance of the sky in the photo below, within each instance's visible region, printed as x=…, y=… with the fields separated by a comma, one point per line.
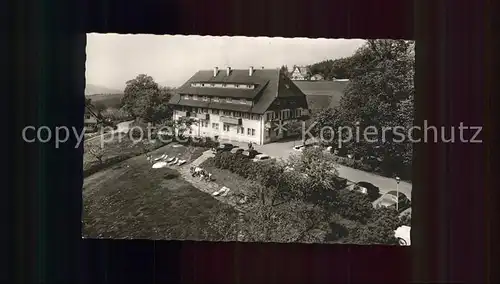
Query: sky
x=112, y=59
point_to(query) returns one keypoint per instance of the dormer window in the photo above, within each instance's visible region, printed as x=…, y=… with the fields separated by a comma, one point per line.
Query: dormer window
x=203, y=85
x=229, y=100
x=215, y=99
x=205, y=98
x=189, y=97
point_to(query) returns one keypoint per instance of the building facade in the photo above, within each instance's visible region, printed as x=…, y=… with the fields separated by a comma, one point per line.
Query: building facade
x=90, y=120
x=300, y=73
x=254, y=105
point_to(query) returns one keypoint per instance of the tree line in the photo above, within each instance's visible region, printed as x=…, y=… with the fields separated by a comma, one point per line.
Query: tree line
x=303, y=199
x=380, y=94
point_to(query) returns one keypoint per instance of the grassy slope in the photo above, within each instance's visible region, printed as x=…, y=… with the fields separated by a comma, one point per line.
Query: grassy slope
x=140, y=202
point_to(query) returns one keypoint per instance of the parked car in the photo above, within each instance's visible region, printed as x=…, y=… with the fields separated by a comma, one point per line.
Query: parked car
x=224, y=147
x=261, y=157
x=355, y=187
x=237, y=150
x=299, y=148
x=329, y=149
x=250, y=153
x=372, y=190
x=390, y=199
x=403, y=234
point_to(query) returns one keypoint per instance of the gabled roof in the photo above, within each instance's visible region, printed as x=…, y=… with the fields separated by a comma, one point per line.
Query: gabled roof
x=303, y=70
x=270, y=84
x=260, y=78
x=322, y=94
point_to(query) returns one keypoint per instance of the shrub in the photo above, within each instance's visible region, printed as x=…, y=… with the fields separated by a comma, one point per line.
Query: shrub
x=226, y=160
x=136, y=133
x=379, y=229
x=405, y=220
x=353, y=205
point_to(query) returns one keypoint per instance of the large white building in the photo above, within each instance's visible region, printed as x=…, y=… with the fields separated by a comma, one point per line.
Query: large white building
x=241, y=105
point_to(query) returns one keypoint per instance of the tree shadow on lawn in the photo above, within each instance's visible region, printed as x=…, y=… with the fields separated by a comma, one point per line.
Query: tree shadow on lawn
x=150, y=204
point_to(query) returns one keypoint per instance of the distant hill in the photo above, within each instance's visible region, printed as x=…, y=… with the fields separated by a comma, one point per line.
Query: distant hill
x=322, y=94
x=95, y=89
x=108, y=100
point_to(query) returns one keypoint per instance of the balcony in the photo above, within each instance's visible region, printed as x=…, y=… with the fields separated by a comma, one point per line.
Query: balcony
x=230, y=120
x=204, y=116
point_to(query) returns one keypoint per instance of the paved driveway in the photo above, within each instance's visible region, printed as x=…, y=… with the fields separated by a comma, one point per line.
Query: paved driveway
x=283, y=149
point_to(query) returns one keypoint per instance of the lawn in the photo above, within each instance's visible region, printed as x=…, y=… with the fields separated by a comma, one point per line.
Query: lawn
x=237, y=184
x=116, y=151
x=132, y=200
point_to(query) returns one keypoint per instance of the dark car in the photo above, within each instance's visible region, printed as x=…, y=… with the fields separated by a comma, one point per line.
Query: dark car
x=372, y=191
x=237, y=150
x=224, y=147
x=250, y=153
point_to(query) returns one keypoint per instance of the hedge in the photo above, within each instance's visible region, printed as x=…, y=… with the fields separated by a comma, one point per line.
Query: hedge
x=349, y=204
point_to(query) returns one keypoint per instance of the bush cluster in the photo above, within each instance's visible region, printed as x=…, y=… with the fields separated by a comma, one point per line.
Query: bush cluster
x=357, y=164
x=349, y=204
x=353, y=205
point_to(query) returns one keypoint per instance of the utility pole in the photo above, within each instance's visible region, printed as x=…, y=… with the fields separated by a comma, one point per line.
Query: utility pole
x=397, y=193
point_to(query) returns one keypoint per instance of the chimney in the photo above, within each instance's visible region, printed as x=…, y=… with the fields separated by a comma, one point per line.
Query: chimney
x=250, y=71
x=216, y=70
x=228, y=69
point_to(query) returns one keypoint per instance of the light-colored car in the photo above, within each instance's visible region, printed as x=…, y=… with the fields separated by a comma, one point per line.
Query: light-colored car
x=329, y=149
x=299, y=148
x=403, y=234
x=261, y=157
x=355, y=187
x=390, y=199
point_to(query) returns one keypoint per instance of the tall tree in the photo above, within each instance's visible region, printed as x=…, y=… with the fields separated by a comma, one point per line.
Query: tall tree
x=144, y=99
x=379, y=92
x=284, y=70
